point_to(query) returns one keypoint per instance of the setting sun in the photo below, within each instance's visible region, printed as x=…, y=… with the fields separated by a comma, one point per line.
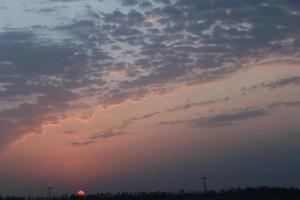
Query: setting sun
x=81, y=193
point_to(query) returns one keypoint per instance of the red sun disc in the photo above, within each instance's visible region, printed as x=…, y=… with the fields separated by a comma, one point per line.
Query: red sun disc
x=81, y=193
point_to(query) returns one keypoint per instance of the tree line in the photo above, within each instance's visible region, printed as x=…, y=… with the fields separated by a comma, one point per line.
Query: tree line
x=259, y=193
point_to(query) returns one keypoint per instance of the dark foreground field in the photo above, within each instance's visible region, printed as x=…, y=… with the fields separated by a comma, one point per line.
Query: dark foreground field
x=261, y=193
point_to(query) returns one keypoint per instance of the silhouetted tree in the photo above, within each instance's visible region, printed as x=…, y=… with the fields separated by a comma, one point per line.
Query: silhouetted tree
x=260, y=193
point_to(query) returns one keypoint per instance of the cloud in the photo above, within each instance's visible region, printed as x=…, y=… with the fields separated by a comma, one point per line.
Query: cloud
x=190, y=105
x=288, y=103
x=30, y=117
x=162, y=1
x=274, y=84
x=186, y=106
x=104, y=134
x=160, y=47
x=220, y=120
x=129, y=2
x=13, y=36
x=71, y=132
x=31, y=67
x=66, y=0
x=145, y=5
x=84, y=143
x=52, y=9
x=121, y=129
x=230, y=118
x=132, y=120
x=282, y=82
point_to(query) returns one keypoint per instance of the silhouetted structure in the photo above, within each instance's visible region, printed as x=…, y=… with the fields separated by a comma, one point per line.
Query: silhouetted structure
x=49, y=192
x=204, y=183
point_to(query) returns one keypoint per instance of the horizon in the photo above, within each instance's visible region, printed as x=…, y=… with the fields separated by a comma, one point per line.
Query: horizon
x=177, y=192
x=146, y=95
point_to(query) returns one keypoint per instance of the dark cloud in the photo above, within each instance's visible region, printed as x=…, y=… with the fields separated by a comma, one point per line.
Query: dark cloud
x=129, y=2
x=117, y=96
x=66, y=0
x=229, y=118
x=125, y=31
x=232, y=117
x=224, y=37
x=52, y=9
x=162, y=75
x=15, y=36
x=115, y=17
x=282, y=82
x=71, y=132
x=33, y=67
x=84, y=143
x=116, y=47
x=30, y=117
x=288, y=103
x=135, y=18
x=145, y=5
x=190, y=105
x=38, y=68
x=292, y=103
x=162, y=1
x=105, y=134
x=132, y=120
x=275, y=84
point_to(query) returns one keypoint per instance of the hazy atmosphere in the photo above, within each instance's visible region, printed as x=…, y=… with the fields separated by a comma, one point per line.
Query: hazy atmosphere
x=146, y=95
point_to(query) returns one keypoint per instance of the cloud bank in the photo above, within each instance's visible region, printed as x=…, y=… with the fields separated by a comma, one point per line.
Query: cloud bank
x=142, y=48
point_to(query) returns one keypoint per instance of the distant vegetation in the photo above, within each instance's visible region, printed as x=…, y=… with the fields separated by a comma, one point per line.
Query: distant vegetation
x=260, y=193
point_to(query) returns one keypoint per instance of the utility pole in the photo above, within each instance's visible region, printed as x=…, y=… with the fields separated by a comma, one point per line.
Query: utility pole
x=49, y=192
x=204, y=183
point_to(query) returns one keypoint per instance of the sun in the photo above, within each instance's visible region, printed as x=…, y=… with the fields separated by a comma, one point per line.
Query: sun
x=80, y=193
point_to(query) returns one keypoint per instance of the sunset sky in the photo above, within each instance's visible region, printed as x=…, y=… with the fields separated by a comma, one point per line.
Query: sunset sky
x=146, y=95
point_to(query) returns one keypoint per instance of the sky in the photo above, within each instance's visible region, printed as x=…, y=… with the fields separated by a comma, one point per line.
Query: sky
x=147, y=95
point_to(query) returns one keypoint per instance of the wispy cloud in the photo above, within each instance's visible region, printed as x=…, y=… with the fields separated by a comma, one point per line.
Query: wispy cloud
x=230, y=118
x=83, y=143
x=275, y=84
x=121, y=129
x=220, y=120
